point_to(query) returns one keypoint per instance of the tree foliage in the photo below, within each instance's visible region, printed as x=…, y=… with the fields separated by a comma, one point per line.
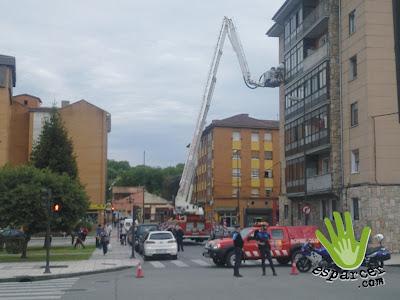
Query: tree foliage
x=21, y=203
x=54, y=149
x=156, y=180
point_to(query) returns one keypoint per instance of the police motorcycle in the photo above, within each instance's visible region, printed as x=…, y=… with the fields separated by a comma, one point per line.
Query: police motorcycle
x=311, y=256
x=375, y=257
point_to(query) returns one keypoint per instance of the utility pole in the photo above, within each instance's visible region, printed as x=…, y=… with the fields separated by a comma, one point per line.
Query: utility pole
x=46, y=196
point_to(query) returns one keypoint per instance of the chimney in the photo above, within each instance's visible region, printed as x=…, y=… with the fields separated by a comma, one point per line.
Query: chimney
x=64, y=103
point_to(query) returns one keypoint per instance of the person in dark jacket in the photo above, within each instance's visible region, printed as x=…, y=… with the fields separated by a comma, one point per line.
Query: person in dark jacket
x=179, y=237
x=104, y=239
x=238, y=244
x=263, y=237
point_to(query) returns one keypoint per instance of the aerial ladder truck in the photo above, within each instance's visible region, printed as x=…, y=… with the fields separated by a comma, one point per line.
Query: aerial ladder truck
x=272, y=78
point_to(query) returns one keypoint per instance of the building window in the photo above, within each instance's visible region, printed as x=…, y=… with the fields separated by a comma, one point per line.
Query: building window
x=353, y=67
x=268, y=192
x=255, y=155
x=255, y=173
x=286, y=211
x=354, y=114
x=355, y=161
x=268, y=155
x=326, y=209
x=352, y=22
x=236, y=173
x=355, y=209
x=25, y=102
x=267, y=137
x=255, y=193
x=235, y=192
x=299, y=210
x=236, y=136
x=254, y=137
x=236, y=154
x=325, y=166
x=268, y=174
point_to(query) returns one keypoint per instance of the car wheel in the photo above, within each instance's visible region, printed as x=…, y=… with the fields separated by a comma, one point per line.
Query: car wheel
x=230, y=259
x=283, y=260
x=218, y=262
x=174, y=257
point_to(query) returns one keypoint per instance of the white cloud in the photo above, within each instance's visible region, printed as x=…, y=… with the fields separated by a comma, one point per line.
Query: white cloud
x=145, y=62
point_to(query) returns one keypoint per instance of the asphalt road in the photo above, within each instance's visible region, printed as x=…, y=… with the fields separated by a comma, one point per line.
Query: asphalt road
x=195, y=277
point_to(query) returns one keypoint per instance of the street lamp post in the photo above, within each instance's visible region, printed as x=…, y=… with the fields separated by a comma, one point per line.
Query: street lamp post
x=236, y=155
x=46, y=197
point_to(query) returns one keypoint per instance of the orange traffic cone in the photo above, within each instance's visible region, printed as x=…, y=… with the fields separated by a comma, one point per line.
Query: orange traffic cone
x=139, y=271
x=294, y=270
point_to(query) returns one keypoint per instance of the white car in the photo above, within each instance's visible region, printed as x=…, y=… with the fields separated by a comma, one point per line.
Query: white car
x=159, y=243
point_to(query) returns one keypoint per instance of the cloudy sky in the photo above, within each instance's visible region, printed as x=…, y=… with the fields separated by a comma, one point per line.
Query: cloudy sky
x=145, y=62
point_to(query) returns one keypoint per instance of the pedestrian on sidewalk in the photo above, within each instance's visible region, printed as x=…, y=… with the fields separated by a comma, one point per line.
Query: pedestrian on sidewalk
x=104, y=239
x=109, y=229
x=81, y=237
x=238, y=244
x=179, y=237
x=263, y=237
x=123, y=234
x=98, y=232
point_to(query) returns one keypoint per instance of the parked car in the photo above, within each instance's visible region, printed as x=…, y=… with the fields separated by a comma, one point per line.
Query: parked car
x=159, y=243
x=140, y=230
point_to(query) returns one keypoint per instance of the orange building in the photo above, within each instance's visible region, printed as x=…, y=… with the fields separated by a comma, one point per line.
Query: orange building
x=21, y=122
x=238, y=173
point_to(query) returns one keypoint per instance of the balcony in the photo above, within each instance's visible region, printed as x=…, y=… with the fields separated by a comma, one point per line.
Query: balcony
x=316, y=21
x=314, y=57
x=319, y=183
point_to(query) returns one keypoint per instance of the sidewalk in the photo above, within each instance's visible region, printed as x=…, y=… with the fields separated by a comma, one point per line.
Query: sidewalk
x=394, y=261
x=116, y=259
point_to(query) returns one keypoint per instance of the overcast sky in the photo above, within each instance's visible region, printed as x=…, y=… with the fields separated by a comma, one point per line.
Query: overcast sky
x=145, y=62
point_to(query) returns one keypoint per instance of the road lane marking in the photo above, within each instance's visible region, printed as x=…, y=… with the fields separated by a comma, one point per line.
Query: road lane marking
x=157, y=264
x=179, y=263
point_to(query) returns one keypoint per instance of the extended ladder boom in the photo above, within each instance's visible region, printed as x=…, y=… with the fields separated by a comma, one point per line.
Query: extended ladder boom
x=271, y=78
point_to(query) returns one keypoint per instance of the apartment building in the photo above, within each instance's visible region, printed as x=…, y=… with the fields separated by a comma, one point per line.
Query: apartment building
x=238, y=174
x=21, y=122
x=339, y=106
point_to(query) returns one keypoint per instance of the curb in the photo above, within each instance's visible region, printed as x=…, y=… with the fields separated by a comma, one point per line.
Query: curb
x=57, y=276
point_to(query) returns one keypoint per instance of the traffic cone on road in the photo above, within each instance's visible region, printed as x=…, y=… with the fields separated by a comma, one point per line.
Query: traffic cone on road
x=294, y=270
x=139, y=271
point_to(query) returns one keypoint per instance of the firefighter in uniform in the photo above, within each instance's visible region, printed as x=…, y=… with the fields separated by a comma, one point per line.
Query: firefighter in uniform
x=262, y=237
x=238, y=244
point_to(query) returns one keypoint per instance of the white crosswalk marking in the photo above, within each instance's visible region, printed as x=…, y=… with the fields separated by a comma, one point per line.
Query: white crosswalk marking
x=200, y=262
x=157, y=264
x=179, y=263
x=43, y=290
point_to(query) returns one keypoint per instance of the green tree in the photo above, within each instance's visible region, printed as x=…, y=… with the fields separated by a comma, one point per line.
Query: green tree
x=21, y=203
x=160, y=181
x=54, y=149
x=114, y=170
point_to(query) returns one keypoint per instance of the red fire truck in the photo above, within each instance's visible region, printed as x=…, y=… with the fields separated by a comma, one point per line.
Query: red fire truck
x=195, y=226
x=286, y=242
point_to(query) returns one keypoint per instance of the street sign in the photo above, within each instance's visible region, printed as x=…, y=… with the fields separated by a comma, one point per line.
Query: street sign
x=306, y=210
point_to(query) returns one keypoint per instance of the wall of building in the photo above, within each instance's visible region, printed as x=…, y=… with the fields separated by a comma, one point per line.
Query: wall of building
x=19, y=127
x=5, y=116
x=86, y=126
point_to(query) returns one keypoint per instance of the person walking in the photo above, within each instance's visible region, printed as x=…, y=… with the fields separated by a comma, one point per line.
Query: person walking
x=109, y=229
x=123, y=235
x=179, y=237
x=238, y=244
x=80, y=238
x=98, y=232
x=105, y=239
x=263, y=237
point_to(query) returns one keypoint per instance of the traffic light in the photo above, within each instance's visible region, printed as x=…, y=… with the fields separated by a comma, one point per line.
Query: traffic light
x=56, y=207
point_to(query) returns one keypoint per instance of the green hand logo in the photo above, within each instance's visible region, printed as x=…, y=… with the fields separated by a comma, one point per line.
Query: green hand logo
x=345, y=250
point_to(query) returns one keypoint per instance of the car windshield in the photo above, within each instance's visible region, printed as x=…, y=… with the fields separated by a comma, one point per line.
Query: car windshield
x=161, y=236
x=143, y=229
